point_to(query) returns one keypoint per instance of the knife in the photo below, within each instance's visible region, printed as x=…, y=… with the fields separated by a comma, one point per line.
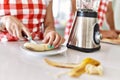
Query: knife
x=28, y=38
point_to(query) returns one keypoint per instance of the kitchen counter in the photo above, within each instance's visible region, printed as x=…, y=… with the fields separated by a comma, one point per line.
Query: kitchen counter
x=15, y=64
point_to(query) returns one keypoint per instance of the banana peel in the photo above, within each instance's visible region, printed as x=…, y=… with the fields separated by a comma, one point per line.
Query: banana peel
x=80, y=69
x=77, y=69
x=60, y=65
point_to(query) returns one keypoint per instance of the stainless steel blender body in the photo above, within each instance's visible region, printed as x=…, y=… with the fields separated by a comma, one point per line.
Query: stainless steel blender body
x=85, y=35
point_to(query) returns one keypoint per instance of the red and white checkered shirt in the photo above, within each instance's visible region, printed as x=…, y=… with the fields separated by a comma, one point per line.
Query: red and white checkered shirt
x=30, y=13
x=101, y=13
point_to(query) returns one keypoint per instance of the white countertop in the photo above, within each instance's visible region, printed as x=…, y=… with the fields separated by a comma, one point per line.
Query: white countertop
x=17, y=65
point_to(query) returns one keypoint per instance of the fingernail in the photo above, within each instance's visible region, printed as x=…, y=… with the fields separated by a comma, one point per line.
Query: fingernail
x=50, y=46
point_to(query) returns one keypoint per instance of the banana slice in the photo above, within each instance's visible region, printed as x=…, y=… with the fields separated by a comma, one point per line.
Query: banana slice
x=37, y=47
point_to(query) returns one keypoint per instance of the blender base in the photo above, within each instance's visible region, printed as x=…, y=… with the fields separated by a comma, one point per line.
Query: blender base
x=87, y=50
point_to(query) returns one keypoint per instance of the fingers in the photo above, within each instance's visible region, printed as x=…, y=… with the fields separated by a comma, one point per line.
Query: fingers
x=15, y=27
x=110, y=34
x=46, y=39
x=2, y=27
x=9, y=28
x=114, y=34
x=118, y=32
x=15, y=30
x=19, y=34
x=58, y=41
x=49, y=39
x=54, y=39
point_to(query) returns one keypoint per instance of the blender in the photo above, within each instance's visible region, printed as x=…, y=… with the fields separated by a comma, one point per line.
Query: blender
x=85, y=35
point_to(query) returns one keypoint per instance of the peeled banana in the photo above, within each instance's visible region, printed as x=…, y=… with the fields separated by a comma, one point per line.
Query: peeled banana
x=37, y=47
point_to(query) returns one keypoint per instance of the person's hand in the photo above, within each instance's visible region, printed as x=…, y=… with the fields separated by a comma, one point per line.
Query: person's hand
x=14, y=26
x=109, y=34
x=117, y=31
x=53, y=38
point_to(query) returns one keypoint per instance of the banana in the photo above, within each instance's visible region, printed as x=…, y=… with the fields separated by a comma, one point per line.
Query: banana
x=92, y=69
x=61, y=65
x=80, y=69
x=37, y=47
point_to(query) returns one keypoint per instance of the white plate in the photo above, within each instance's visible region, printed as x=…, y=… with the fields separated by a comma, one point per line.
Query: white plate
x=59, y=50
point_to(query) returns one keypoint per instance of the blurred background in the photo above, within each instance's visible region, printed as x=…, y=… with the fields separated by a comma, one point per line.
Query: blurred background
x=116, y=7
x=61, y=12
